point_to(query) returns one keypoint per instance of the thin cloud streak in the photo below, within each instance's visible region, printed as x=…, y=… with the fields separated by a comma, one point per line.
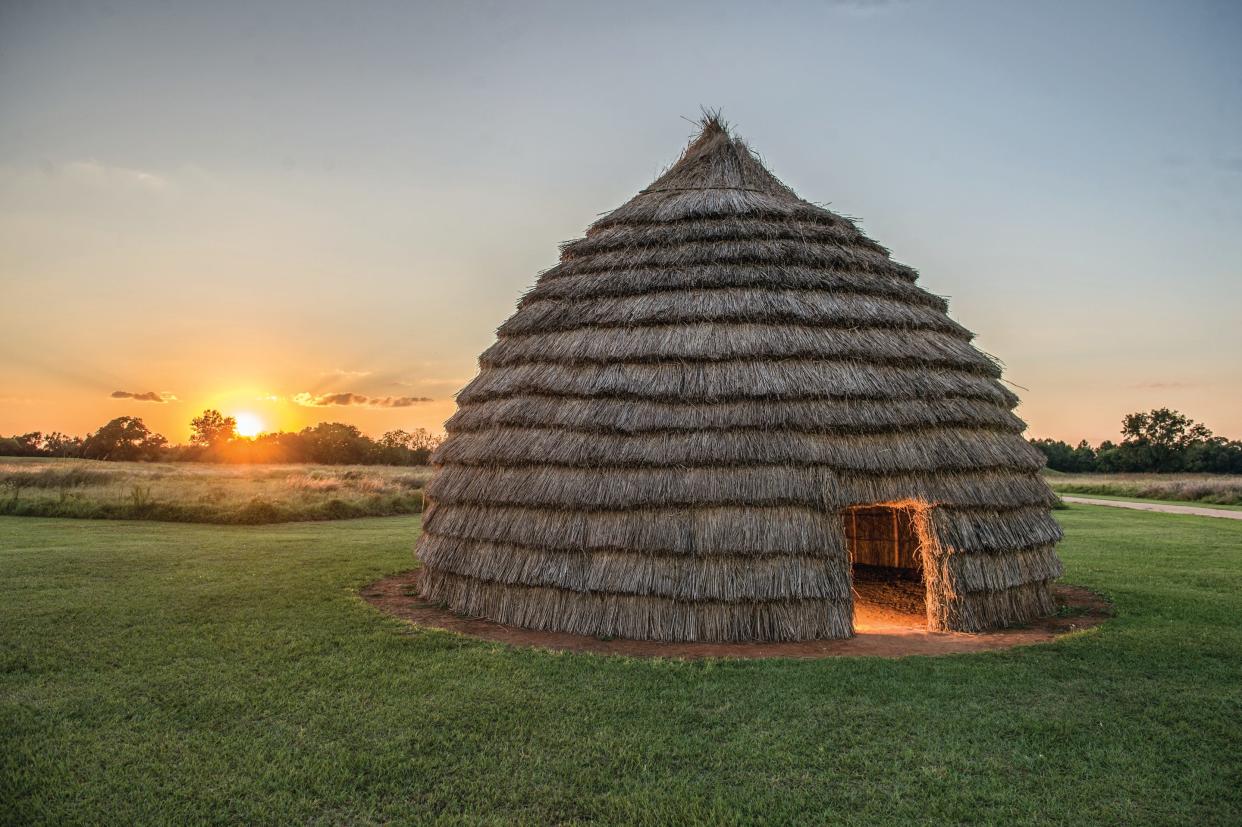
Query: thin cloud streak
x=93, y=173
x=346, y=398
x=1172, y=385
x=149, y=396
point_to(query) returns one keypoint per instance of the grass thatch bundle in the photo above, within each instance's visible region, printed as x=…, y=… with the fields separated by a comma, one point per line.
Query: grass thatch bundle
x=670, y=435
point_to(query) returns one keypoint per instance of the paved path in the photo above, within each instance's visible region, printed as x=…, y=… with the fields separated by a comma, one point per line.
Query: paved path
x=1165, y=509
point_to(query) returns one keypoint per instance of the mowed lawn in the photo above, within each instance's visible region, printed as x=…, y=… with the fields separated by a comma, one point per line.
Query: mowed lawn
x=166, y=673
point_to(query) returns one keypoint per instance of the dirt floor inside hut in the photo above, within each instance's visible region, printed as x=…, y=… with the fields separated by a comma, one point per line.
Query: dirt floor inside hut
x=884, y=624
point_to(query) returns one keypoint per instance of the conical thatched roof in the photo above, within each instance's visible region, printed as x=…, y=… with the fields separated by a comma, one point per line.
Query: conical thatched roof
x=665, y=436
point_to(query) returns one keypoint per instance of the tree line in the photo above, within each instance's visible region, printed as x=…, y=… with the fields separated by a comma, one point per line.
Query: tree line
x=214, y=438
x=1159, y=441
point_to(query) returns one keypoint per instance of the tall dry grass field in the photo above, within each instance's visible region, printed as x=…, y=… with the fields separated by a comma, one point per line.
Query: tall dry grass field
x=1218, y=489
x=207, y=493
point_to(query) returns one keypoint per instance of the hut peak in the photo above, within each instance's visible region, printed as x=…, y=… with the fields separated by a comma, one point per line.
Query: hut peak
x=717, y=159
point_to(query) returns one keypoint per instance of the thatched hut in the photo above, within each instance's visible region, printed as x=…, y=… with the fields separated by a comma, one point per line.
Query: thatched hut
x=720, y=414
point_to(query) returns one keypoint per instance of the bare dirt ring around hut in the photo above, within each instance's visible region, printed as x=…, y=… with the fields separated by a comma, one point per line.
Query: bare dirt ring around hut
x=882, y=629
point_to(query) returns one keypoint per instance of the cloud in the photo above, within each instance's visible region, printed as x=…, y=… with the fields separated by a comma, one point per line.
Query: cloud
x=452, y=383
x=868, y=7
x=1164, y=385
x=398, y=401
x=149, y=396
x=346, y=374
x=93, y=173
x=310, y=400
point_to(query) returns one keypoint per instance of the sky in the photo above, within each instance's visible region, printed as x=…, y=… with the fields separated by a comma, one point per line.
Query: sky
x=312, y=211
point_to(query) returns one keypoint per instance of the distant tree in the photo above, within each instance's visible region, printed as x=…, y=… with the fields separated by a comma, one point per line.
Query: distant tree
x=57, y=444
x=336, y=443
x=1109, y=457
x=212, y=429
x=280, y=446
x=1157, y=440
x=1058, y=454
x=1084, y=457
x=27, y=445
x=408, y=448
x=394, y=440
x=423, y=440
x=1214, y=456
x=1164, y=428
x=1061, y=457
x=124, y=438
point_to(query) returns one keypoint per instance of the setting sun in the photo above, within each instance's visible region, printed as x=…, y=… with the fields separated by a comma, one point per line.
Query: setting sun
x=248, y=425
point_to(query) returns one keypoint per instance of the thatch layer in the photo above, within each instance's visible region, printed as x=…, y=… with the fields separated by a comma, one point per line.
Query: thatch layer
x=711, y=576
x=684, y=577
x=749, y=251
x=734, y=530
x=629, y=237
x=718, y=381
x=734, y=304
x=731, y=530
x=642, y=617
x=931, y=449
x=611, y=489
x=634, y=281
x=712, y=342
x=663, y=440
x=974, y=573
x=992, y=530
x=671, y=206
x=819, y=416
x=983, y=610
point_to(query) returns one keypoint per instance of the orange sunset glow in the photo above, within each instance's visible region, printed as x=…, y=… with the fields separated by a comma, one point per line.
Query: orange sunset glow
x=302, y=267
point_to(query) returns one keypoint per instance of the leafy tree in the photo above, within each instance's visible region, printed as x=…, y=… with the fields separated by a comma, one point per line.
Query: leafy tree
x=1061, y=457
x=1164, y=428
x=337, y=443
x=423, y=440
x=22, y=445
x=395, y=440
x=1157, y=440
x=27, y=445
x=212, y=429
x=57, y=444
x=1084, y=459
x=124, y=438
x=1215, y=456
x=406, y=448
x=1058, y=454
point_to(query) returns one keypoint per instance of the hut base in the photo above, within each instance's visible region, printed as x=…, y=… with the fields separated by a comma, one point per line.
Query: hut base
x=881, y=635
x=638, y=617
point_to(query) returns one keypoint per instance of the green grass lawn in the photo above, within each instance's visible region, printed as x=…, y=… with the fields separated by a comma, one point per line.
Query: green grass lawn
x=194, y=674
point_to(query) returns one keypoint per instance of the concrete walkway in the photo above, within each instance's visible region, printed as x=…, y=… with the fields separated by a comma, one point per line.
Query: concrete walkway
x=1193, y=510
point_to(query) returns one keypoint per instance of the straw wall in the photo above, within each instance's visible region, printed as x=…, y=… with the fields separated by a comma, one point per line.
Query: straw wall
x=663, y=439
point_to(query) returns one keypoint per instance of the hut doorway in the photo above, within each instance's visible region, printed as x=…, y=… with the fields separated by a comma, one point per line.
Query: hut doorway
x=886, y=561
